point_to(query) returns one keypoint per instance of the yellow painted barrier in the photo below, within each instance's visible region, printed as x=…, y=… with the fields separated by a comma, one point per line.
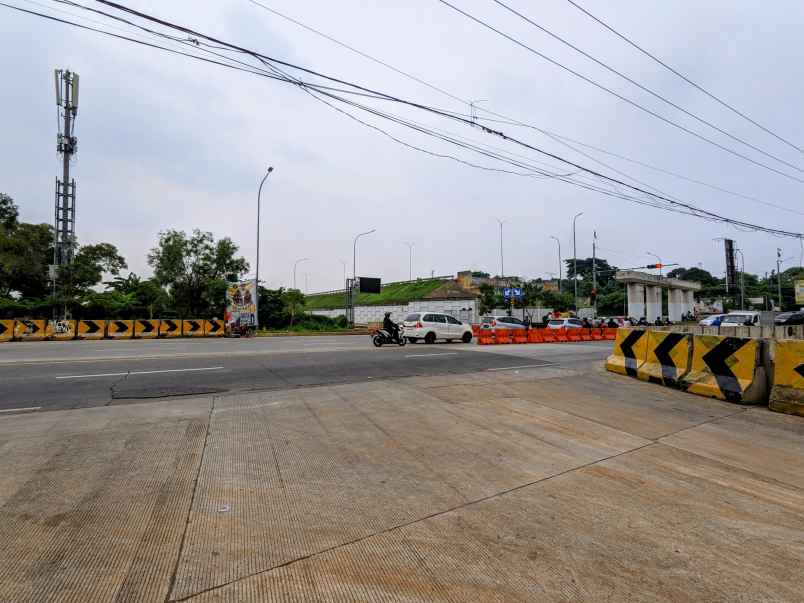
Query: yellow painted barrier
x=788, y=378
x=725, y=368
x=169, y=328
x=120, y=329
x=91, y=329
x=61, y=330
x=667, y=359
x=147, y=328
x=214, y=328
x=30, y=330
x=629, y=353
x=192, y=328
x=6, y=330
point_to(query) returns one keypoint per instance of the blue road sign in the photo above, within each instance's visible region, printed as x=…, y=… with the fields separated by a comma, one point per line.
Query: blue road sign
x=515, y=292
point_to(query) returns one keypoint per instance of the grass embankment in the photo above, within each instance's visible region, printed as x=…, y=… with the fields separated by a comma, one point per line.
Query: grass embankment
x=399, y=293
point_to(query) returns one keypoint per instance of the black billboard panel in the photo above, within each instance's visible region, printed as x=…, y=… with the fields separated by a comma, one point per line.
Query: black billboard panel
x=369, y=285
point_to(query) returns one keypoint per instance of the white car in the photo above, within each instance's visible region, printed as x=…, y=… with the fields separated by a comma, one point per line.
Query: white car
x=430, y=326
x=501, y=322
x=711, y=321
x=565, y=323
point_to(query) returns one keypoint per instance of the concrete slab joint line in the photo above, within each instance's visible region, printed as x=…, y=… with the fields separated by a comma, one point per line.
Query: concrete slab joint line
x=398, y=526
x=190, y=506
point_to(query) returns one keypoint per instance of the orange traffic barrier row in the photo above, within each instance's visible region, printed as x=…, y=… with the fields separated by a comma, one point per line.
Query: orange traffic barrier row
x=506, y=336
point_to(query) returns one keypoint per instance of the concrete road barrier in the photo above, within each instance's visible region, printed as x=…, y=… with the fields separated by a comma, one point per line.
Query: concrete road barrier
x=61, y=330
x=170, y=328
x=668, y=358
x=727, y=368
x=30, y=330
x=630, y=352
x=91, y=329
x=147, y=328
x=6, y=330
x=214, y=328
x=192, y=327
x=787, y=395
x=120, y=329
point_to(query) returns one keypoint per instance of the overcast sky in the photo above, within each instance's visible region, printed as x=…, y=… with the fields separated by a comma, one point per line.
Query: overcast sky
x=167, y=142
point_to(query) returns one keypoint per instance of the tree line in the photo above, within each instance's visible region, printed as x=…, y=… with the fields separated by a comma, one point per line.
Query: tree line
x=191, y=273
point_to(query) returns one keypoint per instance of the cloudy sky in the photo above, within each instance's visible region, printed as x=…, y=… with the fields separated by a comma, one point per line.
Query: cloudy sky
x=168, y=142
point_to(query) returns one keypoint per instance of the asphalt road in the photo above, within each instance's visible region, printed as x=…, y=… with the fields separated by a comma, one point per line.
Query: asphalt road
x=59, y=375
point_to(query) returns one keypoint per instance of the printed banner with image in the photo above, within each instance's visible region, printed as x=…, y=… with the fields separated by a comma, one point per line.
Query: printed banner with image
x=241, y=304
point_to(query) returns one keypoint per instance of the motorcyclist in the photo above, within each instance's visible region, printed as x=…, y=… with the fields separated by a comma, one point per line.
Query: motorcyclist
x=390, y=326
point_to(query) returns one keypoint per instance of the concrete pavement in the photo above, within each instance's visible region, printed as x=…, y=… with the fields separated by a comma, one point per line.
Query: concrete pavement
x=554, y=482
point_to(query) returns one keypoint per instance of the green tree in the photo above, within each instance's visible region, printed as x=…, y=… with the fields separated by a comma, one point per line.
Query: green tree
x=273, y=313
x=490, y=298
x=88, y=267
x=8, y=212
x=694, y=274
x=194, y=270
x=293, y=299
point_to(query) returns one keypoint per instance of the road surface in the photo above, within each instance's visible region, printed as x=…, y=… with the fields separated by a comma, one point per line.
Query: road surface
x=77, y=374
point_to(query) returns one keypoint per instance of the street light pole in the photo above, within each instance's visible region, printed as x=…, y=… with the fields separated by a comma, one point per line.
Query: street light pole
x=257, y=274
x=559, y=262
x=354, y=251
x=658, y=258
x=296, y=263
x=742, y=281
x=502, y=265
x=410, y=267
x=779, y=274
x=575, y=260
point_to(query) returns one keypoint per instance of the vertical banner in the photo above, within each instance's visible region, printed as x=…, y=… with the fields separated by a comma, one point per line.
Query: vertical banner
x=241, y=304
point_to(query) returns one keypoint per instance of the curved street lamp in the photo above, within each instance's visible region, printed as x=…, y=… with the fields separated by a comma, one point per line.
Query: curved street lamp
x=296, y=263
x=575, y=259
x=658, y=258
x=354, y=251
x=559, y=262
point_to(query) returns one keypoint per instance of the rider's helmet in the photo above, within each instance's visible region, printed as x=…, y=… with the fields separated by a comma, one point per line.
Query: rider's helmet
x=387, y=314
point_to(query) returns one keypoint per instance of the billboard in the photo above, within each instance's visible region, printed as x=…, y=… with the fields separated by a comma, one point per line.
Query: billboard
x=241, y=304
x=799, y=287
x=369, y=285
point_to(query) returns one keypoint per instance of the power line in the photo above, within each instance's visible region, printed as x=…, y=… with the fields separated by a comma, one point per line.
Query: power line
x=644, y=88
x=685, y=78
x=651, y=199
x=620, y=96
x=511, y=121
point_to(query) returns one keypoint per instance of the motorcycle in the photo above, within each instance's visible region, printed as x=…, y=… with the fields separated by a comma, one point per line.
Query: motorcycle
x=381, y=337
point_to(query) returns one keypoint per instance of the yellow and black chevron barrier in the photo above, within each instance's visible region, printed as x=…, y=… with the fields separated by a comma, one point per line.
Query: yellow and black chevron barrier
x=169, y=328
x=725, y=368
x=146, y=328
x=214, y=328
x=629, y=353
x=6, y=330
x=668, y=358
x=120, y=329
x=61, y=330
x=91, y=329
x=30, y=330
x=192, y=328
x=788, y=378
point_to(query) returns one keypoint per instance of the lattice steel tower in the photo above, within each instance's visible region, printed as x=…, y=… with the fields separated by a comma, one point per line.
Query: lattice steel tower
x=67, y=100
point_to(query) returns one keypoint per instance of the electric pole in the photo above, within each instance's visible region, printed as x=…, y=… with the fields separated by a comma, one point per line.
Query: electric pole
x=64, y=235
x=594, y=270
x=779, y=275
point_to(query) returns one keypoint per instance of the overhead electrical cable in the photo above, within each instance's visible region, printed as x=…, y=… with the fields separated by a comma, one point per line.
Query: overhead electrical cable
x=615, y=186
x=685, y=78
x=631, y=102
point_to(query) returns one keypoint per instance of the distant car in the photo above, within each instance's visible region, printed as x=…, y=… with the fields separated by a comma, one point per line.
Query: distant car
x=742, y=318
x=568, y=323
x=501, y=322
x=790, y=318
x=430, y=326
x=712, y=321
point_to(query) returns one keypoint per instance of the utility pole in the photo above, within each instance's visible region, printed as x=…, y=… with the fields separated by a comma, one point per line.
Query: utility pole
x=594, y=268
x=257, y=274
x=410, y=260
x=742, y=280
x=575, y=260
x=502, y=265
x=560, y=268
x=779, y=274
x=64, y=236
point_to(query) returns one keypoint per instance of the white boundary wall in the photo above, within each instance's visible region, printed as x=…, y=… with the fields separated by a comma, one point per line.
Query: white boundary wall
x=462, y=309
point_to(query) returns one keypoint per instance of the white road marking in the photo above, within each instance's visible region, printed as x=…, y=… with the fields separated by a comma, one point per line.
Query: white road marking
x=26, y=409
x=510, y=368
x=436, y=354
x=184, y=370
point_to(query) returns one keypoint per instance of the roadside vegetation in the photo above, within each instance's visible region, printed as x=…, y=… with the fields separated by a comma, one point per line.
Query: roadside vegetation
x=392, y=294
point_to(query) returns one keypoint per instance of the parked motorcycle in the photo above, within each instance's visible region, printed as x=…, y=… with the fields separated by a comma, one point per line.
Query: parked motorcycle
x=382, y=337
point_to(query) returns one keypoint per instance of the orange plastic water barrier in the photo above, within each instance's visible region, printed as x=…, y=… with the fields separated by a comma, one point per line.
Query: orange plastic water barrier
x=502, y=336
x=535, y=335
